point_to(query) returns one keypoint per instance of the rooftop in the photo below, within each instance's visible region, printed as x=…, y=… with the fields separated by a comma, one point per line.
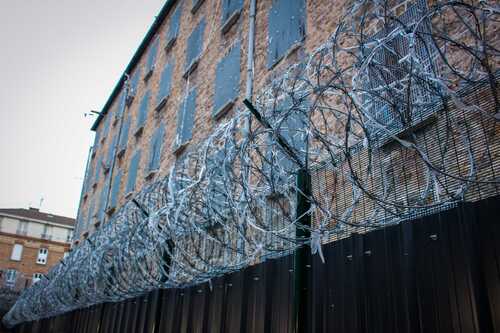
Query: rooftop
x=36, y=214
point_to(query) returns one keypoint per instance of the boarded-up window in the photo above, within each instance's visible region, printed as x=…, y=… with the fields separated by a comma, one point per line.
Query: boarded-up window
x=195, y=44
x=155, y=148
x=391, y=63
x=105, y=125
x=102, y=202
x=115, y=190
x=124, y=134
x=290, y=121
x=185, y=118
x=111, y=151
x=90, y=214
x=143, y=110
x=287, y=26
x=165, y=82
x=229, y=7
x=227, y=79
x=98, y=166
x=174, y=24
x=153, y=51
x=132, y=172
x=134, y=82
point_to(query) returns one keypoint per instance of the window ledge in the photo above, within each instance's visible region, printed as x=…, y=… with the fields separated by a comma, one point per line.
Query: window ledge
x=170, y=44
x=162, y=103
x=97, y=224
x=110, y=210
x=121, y=152
x=191, y=67
x=130, y=99
x=129, y=195
x=294, y=47
x=196, y=6
x=402, y=133
x=139, y=130
x=230, y=22
x=151, y=174
x=223, y=110
x=179, y=147
x=148, y=74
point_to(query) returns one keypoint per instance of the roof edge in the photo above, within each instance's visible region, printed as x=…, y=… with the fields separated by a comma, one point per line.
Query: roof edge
x=135, y=59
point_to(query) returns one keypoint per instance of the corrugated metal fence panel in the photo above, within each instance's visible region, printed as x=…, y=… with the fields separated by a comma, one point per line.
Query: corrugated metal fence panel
x=438, y=273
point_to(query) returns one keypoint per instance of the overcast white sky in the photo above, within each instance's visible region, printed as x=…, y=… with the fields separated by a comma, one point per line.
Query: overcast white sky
x=59, y=59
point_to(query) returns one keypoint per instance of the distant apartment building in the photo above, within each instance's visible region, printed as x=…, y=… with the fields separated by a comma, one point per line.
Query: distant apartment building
x=31, y=242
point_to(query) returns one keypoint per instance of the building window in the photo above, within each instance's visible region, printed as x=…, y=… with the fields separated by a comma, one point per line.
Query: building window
x=132, y=172
x=230, y=12
x=165, y=85
x=194, y=47
x=17, y=252
x=227, y=81
x=11, y=276
x=43, y=253
x=153, y=51
x=185, y=119
x=90, y=214
x=134, y=82
x=143, y=112
x=124, y=137
x=36, y=277
x=173, y=27
x=69, y=236
x=115, y=190
x=47, y=232
x=391, y=64
x=287, y=27
x=155, y=148
x=22, y=228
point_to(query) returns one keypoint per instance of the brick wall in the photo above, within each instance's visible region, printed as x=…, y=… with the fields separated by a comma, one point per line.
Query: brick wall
x=28, y=266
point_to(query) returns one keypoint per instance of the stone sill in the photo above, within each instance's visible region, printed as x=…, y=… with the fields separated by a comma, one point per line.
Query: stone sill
x=191, y=67
x=223, y=110
x=230, y=22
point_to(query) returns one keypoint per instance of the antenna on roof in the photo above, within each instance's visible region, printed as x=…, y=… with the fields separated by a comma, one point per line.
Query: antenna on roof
x=40, y=205
x=91, y=113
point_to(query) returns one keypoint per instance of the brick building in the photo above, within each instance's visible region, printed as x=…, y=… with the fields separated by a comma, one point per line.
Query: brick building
x=31, y=242
x=188, y=74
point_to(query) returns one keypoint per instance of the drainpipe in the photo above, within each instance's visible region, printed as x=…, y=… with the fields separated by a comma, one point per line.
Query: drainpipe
x=250, y=56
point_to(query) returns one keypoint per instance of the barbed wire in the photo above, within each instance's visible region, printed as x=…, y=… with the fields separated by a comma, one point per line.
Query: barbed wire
x=395, y=115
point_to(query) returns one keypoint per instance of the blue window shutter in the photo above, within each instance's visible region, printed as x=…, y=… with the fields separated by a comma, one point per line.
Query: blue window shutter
x=111, y=150
x=90, y=214
x=229, y=7
x=195, y=43
x=121, y=105
x=227, y=78
x=105, y=123
x=134, y=81
x=185, y=118
x=143, y=110
x=97, y=138
x=153, y=51
x=287, y=22
x=115, y=189
x=155, y=148
x=173, y=27
x=132, y=171
x=97, y=169
x=102, y=202
x=165, y=81
x=124, y=133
